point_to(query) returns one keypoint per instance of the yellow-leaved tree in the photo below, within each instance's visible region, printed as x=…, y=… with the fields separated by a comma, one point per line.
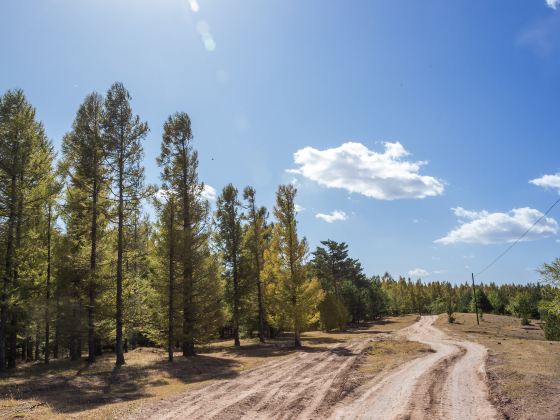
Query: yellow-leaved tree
x=292, y=293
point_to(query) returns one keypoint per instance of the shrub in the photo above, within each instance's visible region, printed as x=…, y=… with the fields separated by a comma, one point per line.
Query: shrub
x=333, y=314
x=521, y=306
x=550, y=321
x=438, y=306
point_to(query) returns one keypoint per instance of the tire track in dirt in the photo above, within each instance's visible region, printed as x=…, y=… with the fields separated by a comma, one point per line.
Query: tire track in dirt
x=289, y=388
x=447, y=384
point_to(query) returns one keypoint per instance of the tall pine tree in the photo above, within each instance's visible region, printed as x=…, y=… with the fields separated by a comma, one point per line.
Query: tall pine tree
x=83, y=161
x=229, y=240
x=295, y=293
x=256, y=238
x=123, y=134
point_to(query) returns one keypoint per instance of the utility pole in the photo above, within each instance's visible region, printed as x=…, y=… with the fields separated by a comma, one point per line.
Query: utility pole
x=475, y=301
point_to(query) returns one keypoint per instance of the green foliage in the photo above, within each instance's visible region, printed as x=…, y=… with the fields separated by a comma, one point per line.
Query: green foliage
x=550, y=305
x=180, y=278
x=521, y=306
x=293, y=292
x=498, y=300
x=256, y=237
x=229, y=239
x=333, y=314
x=550, y=317
x=438, y=306
x=343, y=278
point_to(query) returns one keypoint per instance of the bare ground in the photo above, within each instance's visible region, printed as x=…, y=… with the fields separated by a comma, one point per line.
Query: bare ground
x=418, y=372
x=523, y=368
x=65, y=389
x=447, y=382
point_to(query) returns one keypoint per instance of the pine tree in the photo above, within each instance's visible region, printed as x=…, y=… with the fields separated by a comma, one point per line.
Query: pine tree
x=179, y=163
x=26, y=158
x=83, y=161
x=229, y=239
x=123, y=133
x=171, y=281
x=294, y=291
x=257, y=231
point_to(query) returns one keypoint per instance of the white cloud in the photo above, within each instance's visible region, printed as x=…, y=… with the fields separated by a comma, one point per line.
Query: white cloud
x=490, y=228
x=418, y=272
x=439, y=271
x=547, y=181
x=209, y=193
x=298, y=208
x=332, y=217
x=553, y=4
x=355, y=168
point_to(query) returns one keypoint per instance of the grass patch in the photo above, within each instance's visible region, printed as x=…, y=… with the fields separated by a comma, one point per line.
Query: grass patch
x=388, y=354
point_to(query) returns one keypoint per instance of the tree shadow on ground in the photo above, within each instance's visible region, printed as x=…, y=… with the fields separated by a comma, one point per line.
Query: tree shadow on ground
x=71, y=387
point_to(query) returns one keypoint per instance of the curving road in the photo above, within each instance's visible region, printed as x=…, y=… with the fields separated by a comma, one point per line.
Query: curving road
x=447, y=384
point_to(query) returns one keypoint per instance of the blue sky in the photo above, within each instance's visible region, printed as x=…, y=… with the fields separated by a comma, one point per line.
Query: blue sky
x=332, y=96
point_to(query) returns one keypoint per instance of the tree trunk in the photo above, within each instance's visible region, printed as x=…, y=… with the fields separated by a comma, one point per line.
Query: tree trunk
x=37, y=348
x=297, y=337
x=29, y=347
x=12, y=356
x=261, y=310
x=260, y=297
x=291, y=250
x=188, y=270
x=9, y=263
x=92, y=275
x=56, y=345
x=48, y=288
x=236, y=341
x=171, y=279
x=119, y=322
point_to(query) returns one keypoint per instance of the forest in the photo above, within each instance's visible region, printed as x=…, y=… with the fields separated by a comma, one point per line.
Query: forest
x=86, y=269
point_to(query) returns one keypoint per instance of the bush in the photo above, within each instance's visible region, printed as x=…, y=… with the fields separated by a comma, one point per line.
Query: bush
x=521, y=306
x=438, y=306
x=333, y=314
x=550, y=321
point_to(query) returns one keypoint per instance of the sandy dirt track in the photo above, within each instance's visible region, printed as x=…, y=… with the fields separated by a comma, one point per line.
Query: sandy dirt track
x=447, y=383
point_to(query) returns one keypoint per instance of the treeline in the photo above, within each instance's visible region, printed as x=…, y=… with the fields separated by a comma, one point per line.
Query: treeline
x=85, y=270
x=524, y=301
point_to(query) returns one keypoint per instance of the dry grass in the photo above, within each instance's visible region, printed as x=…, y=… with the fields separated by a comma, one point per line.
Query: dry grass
x=76, y=390
x=523, y=368
x=386, y=355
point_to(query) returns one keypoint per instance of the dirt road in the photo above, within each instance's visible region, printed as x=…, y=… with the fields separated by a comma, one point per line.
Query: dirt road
x=447, y=383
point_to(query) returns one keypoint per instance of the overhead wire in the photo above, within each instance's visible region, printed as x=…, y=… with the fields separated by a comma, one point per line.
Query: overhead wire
x=505, y=251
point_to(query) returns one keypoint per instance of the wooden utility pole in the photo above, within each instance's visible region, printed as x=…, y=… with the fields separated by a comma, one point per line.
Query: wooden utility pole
x=475, y=300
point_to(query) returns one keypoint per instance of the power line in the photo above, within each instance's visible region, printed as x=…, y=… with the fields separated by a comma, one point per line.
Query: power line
x=504, y=252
